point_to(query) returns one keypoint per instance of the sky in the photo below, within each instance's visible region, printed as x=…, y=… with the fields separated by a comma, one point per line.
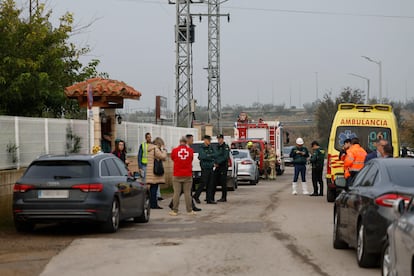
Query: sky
x=272, y=51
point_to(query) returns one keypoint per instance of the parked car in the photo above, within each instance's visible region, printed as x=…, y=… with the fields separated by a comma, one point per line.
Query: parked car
x=398, y=254
x=78, y=188
x=286, y=155
x=246, y=167
x=231, y=174
x=363, y=211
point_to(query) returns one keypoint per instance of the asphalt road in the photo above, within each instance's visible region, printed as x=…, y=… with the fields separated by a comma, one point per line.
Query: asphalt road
x=261, y=230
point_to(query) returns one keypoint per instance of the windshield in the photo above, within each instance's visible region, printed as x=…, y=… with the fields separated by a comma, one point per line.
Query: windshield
x=402, y=175
x=59, y=169
x=367, y=136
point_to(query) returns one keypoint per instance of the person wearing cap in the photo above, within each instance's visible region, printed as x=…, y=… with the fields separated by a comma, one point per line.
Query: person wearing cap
x=221, y=167
x=299, y=155
x=317, y=160
x=207, y=157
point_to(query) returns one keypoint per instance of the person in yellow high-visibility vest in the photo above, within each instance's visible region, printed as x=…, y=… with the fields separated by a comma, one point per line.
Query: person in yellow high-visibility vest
x=143, y=156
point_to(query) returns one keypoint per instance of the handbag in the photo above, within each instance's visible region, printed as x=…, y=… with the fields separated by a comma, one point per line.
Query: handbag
x=158, y=167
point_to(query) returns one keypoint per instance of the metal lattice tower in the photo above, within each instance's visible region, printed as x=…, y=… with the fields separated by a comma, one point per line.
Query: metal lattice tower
x=214, y=97
x=184, y=36
x=33, y=5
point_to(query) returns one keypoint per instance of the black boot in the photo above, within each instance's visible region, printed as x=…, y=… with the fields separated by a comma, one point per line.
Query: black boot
x=315, y=188
x=320, y=188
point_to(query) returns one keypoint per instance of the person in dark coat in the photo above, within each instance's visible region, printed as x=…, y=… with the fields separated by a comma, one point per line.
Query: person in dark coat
x=317, y=160
x=222, y=166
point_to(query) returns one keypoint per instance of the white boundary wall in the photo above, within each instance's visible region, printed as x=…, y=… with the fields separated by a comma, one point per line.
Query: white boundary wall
x=32, y=137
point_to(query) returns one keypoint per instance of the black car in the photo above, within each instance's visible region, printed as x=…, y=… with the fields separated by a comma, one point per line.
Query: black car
x=363, y=211
x=398, y=255
x=78, y=188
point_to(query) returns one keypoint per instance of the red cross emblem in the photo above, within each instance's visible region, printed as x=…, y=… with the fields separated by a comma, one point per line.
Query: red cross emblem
x=183, y=154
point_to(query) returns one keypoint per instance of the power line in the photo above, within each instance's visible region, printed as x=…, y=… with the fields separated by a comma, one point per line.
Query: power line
x=296, y=11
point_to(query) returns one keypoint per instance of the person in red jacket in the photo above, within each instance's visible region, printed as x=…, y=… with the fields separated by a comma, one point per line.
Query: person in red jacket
x=182, y=156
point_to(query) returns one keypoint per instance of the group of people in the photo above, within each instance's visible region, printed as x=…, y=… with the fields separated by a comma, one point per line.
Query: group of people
x=352, y=154
x=213, y=164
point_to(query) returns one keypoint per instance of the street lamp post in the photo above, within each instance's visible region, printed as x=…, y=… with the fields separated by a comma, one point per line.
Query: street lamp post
x=365, y=78
x=379, y=63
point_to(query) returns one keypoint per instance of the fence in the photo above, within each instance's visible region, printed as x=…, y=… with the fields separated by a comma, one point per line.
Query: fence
x=24, y=139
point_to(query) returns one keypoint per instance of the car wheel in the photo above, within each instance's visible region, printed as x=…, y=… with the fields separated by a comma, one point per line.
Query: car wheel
x=337, y=242
x=330, y=195
x=363, y=257
x=145, y=216
x=111, y=225
x=253, y=182
x=236, y=183
x=386, y=260
x=23, y=226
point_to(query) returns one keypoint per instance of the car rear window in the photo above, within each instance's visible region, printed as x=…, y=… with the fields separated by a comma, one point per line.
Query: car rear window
x=240, y=154
x=59, y=169
x=402, y=175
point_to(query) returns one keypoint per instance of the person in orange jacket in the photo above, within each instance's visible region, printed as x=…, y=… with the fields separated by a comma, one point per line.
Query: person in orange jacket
x=354, y=160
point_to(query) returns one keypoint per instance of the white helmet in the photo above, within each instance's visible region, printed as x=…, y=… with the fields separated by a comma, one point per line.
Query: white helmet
x=299, y=141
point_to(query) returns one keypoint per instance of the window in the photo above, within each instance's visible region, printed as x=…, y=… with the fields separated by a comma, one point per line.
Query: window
x=367, y=136
x=112, y=167
x=104, y=169
x=121, y=166
x=58, y=169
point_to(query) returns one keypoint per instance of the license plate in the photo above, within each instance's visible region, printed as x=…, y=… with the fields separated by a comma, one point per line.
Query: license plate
x=53, y=194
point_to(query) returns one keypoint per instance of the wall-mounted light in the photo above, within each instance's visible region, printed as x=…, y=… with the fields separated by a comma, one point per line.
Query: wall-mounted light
x=103, y=116
x=118, y=118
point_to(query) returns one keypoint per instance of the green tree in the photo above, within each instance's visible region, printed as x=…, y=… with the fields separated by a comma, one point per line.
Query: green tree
x=325, y=111
x=37, y=62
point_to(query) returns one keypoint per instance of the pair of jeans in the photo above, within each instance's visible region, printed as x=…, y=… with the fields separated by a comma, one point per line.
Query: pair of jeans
x=182, y=184
x=299, y=168
x=153, y=195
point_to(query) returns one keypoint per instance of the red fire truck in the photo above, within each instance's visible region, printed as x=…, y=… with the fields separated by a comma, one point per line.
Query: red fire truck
x=261, y=133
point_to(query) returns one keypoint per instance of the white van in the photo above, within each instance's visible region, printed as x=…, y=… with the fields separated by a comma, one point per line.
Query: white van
x=231, y=176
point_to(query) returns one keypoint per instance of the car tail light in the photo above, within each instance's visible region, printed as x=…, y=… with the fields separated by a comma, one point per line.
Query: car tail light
x=246, y=162
x=229, y=162
x=22, y=188
x=387, y=200
x=93, y=187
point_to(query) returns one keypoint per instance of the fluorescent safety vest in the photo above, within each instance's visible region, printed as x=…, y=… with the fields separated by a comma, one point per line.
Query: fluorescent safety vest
x=144, y=158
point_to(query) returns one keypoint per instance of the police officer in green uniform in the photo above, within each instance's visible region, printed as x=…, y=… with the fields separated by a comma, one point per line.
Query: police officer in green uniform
x=221, y=166
x=207, y=157
x=317, y=160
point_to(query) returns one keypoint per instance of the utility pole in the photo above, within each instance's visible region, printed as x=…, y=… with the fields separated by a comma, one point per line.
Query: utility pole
x=184, y=37
x=213, y=68
x=33, y=5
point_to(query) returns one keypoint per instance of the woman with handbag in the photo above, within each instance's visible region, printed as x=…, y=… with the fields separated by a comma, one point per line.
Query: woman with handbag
x=155, y=169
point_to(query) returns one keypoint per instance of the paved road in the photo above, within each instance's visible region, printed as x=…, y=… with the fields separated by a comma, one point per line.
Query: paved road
x=261, y=230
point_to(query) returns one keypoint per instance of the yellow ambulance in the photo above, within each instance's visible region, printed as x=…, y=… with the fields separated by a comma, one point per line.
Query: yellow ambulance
x=368, y=123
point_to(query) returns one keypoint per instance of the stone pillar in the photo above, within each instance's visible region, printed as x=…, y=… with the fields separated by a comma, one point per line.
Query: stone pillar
x=209, y=130
x=199, y=127
x=96, y=126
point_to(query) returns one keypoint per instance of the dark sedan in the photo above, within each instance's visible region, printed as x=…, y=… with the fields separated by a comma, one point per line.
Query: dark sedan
x=398, y=255
x=363, y=211
x=78, y=188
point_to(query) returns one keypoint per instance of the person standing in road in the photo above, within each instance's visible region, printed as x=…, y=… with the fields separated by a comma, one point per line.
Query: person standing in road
x=299, y=156
x=272, y=162
x=317, y=160
x=379, y=152
x=156, y=150
x=206, y=156
x=345, y=147
x=354, y=160
x=143, y=156
x=221, y=164
x=182, y=156
x=190, y=139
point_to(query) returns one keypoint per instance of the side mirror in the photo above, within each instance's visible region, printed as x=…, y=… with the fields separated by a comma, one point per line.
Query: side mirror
x=399, y=207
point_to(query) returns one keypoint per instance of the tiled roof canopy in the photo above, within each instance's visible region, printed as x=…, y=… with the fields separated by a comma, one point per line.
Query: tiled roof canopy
x=106, y=93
